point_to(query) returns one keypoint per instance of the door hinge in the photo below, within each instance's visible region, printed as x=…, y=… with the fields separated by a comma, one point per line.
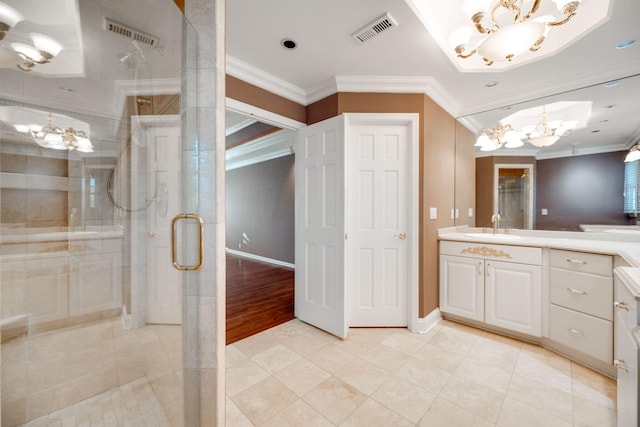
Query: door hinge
x=345, y=236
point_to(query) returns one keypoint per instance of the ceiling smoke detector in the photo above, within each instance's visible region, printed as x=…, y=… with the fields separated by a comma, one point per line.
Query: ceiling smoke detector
x=131, y=33
x=374, y=28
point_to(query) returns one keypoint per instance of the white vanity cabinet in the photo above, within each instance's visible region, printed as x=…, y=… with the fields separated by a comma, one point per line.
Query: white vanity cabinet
x=581, y=297
x=499, y=285
x=627, y=355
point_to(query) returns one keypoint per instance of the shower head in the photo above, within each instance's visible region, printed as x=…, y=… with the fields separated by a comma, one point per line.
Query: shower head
x=132, y=59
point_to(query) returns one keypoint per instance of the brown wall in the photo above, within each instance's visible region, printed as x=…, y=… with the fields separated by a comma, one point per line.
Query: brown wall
x=260, y=206
x=253, y=95
x=580, y=190
x=484, y=184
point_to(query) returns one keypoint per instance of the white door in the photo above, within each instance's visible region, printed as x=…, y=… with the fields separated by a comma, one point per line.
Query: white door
x=319, y=275
x=164, y=292
x=462, y=286
x=513, y=298
x=377, y=223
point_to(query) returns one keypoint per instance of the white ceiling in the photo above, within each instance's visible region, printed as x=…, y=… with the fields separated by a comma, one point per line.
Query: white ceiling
x=404, y=57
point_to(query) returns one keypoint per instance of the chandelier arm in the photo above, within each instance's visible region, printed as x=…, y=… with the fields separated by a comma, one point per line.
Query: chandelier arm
x=534, y=9
x=537, y=44
x=562, y=21
x=476, y=19
x=460, y=52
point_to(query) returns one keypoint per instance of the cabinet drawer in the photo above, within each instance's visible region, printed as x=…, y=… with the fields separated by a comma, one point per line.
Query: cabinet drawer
x=588, y=293
x=519, y=254
x=582, y=261
x=587, y=334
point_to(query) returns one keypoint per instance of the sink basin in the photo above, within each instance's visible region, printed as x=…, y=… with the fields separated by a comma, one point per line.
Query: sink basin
x=493, y=236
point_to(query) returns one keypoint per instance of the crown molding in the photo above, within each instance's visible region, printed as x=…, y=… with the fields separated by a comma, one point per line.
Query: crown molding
x=266, y=81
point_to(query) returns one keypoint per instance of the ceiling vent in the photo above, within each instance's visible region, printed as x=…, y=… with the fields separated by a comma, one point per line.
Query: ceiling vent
x=128, y=32
x=374, y=28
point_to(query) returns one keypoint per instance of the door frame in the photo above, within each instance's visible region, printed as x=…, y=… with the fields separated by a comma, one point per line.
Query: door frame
x=530, y=192
x=411, y=120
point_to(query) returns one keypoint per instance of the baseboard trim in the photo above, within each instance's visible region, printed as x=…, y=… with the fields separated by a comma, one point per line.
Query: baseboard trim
x=425, y=324
x=261, y=258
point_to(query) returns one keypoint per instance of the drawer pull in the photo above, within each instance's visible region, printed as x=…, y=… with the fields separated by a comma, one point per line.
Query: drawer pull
x=619, y=363
x=576, y=291
x=575, y=261
x=621, y=305
x=577, y=332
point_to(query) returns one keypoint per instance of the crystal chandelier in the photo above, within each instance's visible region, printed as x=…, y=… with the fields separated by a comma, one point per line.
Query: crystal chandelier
x=502, y=135
x=547, y=133
x=504, y=39
x=52, y=136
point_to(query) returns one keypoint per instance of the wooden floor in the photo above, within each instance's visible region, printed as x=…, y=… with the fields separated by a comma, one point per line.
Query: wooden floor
x=259, y=297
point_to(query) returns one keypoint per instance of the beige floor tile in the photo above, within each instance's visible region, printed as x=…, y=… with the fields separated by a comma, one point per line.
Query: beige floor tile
x=362, y=375
x=541, y=396
x=434, y=356
x=445, y=414
x=404, y=398
x=301, y=376
x=298, y=414
x=234, y=416
x=474, y=397
x=256, y=344
x=427, y=377
x=334, y=399
x=546, y=370
x=373, y=414
x=243, y=375
x=517, y=414
x=302, y=343
x=407, y=343
x=376, y=335
x=587, y=413
x=264, y=400
x=275, y=358
x=385, y=358
x=233, y=356
x=490, y=376
x=449, y=340
x=331, y=358
x=592, y=386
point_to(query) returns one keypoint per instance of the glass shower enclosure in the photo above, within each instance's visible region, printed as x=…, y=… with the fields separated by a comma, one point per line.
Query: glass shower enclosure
x=91, y=175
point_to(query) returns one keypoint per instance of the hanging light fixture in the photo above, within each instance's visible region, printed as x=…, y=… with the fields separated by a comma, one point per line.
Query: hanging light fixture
x=9, y=17
x=54, y=137
x=547, y=133
x=634, y=154
x=502, y=135
x=503, y=40
x=44, y=49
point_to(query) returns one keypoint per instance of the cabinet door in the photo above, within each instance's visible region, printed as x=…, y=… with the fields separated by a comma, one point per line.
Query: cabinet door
x=626, y=356
x=462, y=286
x=514, y=296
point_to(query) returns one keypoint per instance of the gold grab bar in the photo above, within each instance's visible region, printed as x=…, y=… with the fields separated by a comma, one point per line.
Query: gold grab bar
x=174, y=231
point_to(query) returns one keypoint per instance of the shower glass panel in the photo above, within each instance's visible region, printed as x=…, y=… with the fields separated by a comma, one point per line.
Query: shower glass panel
x=513, y=198
x=90, y=177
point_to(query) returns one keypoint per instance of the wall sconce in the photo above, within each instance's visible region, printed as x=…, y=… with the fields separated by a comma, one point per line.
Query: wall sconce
x=44, y=48
x=9, y=17
x=634, y=154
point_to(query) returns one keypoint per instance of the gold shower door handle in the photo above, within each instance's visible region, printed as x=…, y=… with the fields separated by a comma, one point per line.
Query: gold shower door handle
x=174, y=250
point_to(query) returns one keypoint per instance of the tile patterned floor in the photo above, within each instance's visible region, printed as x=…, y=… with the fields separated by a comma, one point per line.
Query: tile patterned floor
x=295, y=375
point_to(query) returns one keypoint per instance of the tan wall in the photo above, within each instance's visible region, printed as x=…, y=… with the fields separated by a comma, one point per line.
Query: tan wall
x=253, y=95
x=465, y=182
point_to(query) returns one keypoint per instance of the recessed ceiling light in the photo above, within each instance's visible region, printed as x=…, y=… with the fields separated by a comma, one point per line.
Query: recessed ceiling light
x=288, y=44
x=595, y=131
x=508, y=107
x=492, y=83
x=65, y=89
x=612, y=84
x=608, y=107
x=625, y=43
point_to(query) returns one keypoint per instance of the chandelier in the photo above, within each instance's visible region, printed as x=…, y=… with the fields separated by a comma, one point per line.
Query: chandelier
x=52, y=136
x=44, y=48
x=506, y=28
x=541, y=135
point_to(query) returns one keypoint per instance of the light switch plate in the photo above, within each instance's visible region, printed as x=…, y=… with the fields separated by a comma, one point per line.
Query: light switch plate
x=470, y=212
x=543, y=212
x=433, y=213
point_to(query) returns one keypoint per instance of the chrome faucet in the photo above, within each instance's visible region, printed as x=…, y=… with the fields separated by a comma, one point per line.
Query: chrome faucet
x=495, y=220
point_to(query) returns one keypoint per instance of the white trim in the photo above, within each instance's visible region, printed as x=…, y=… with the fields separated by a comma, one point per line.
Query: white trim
x=239, y=126
x=266, y=81
x=425, y=324
x=530, y=193
x=412, y=120
x=270, y=147
x=260, y=258
x=262, y=115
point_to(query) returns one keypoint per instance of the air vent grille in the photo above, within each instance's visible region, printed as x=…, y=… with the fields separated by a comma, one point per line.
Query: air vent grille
x=374, y=28
x=128, y=32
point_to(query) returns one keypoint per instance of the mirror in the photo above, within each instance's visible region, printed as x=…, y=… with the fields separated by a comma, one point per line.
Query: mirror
x=576, y=181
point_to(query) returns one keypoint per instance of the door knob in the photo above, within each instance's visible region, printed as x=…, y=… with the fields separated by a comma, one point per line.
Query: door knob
x=402, y=236
x=151, y=234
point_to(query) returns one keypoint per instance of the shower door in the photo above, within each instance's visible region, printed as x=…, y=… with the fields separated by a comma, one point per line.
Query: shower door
x=78, y=344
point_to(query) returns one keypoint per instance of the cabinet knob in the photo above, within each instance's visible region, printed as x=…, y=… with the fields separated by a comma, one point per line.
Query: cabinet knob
x=577, y=332
x=619, y=363
x=621, y=305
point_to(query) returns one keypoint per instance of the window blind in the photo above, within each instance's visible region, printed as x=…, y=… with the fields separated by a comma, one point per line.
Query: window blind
x=632, y=187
